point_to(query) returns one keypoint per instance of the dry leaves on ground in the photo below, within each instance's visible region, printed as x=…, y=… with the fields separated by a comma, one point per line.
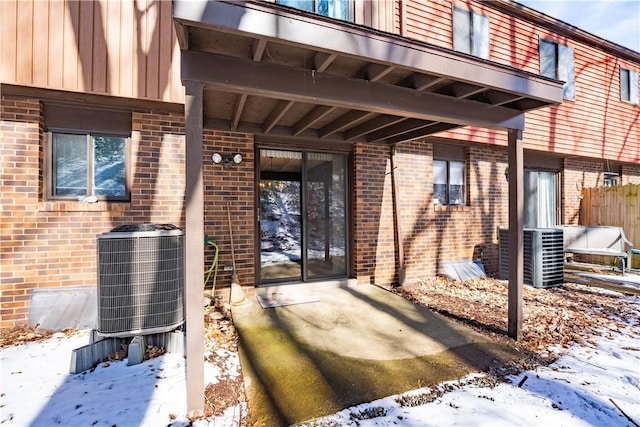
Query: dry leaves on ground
x=221, y=341
x=558, y=316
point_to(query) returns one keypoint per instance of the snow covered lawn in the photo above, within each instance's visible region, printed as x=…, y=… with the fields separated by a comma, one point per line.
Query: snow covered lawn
x=593, y=383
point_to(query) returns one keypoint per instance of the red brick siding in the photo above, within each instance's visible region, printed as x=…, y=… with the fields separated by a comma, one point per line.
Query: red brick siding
x=630, y=174
x=430, y=233
x=53, y=243
x=374, y=246
x=234, y=185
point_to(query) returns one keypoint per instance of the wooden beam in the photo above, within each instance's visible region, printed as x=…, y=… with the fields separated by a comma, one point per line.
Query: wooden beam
x=341, y=123
x=422, y=82
x=322, y=61
x=420, y=133
x=375, y=72
x=405, y=126
x=311, y=118
x=182, y=34
x=464, y=90
x=276, y=114
x=371, y=126
x=516, y=233
x=237, y=112
x=258, y=49
x=194, y=251
x=301, y=85
x=501, y=98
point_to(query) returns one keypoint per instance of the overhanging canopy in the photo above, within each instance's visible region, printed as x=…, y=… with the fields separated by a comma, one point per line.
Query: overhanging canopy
x=274, y=70
x=268, y=70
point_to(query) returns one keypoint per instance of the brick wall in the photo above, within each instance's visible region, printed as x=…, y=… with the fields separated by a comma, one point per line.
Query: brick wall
x=53, y=244
x=374, y=247
x=234, y=185
x=430, y=233
x=630, y=174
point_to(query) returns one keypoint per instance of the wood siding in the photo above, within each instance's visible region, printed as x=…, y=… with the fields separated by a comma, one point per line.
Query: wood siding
x=378, y=14
x=596, y=124
x=618, y=206
x=120, y=48
x=129, y=49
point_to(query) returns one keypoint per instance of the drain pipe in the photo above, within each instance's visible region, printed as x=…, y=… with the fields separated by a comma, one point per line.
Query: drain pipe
x=396, y=218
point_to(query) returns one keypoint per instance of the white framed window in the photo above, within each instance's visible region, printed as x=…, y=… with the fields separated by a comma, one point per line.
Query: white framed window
x=339, y=9
x=470, y=32
x=88, y=165
x=557, y=62
x=449, y=178
x=629, y=85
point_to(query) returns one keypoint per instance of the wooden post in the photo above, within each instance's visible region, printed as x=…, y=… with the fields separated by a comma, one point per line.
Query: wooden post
x=194, y=248
x=516, y=233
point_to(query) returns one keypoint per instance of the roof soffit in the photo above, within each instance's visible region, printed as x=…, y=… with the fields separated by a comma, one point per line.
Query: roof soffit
x=331, y=65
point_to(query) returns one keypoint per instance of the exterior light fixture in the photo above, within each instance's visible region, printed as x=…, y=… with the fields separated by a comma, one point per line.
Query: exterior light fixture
x=227, y=160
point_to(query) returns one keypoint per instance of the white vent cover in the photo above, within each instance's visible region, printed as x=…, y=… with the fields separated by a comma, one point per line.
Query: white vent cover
x=140, y=282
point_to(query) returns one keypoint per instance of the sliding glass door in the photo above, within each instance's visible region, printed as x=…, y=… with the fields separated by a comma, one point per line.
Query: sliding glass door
x=303, y=222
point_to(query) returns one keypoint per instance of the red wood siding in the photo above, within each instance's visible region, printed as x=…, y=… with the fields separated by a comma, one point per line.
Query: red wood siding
x=596, y=124
x=129, y=49
x=116, y=48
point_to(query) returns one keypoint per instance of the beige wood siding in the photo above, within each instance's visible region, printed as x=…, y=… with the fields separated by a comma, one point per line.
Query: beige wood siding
x=378, y=14
x=112, y=47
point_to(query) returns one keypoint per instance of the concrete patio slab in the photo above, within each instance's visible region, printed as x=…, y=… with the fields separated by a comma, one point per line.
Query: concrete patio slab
x=355, y=345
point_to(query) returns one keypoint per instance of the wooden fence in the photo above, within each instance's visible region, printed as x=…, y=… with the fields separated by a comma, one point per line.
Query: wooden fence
x=619, y=206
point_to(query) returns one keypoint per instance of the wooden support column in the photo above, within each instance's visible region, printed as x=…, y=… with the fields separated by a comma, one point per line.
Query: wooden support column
x=194, y=248
x=516, y=233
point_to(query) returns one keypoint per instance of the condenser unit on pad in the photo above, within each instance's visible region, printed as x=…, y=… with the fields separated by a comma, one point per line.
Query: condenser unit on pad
x=543, y=256
x=140, y=280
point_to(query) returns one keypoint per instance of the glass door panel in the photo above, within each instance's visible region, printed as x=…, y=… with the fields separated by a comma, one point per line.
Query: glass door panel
x=325, y=215
x=280, y=215
x=303, y=224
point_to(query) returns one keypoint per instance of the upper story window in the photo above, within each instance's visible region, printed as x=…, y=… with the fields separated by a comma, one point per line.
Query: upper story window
x=449, y=175
x=470, y=32
x=87, y=166
x=629, y=85
x=339, y=9
x=556, y=61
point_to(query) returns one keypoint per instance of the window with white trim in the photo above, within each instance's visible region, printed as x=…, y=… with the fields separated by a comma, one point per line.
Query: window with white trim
x=629, y=85
x=556, y=62
x=470, y=32
x=88, y=166
x=339, y=9
x=449, y=175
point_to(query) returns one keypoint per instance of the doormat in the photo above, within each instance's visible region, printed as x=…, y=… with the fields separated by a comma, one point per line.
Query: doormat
x=279, y=299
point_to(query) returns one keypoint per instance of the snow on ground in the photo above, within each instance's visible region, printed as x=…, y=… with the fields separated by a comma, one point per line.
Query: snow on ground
x=37, y=389
x=628, y=279
x=582, y=388
x=574, y=391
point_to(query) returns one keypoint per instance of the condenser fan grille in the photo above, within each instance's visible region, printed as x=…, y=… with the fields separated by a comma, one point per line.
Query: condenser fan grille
x=543, y=256
x=140, y=282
